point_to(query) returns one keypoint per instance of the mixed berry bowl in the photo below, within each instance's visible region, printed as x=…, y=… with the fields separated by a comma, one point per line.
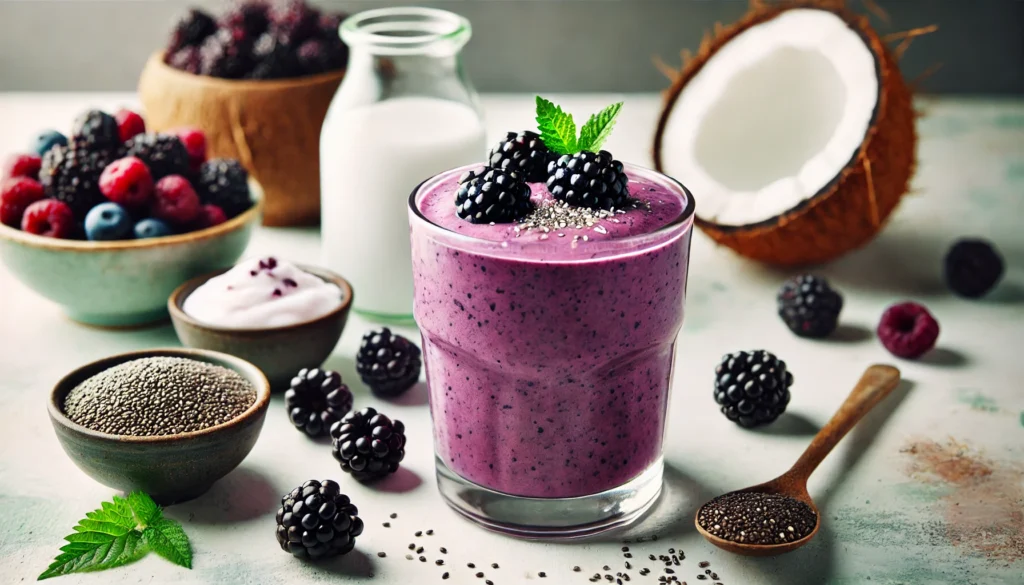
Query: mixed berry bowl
x=120, y=283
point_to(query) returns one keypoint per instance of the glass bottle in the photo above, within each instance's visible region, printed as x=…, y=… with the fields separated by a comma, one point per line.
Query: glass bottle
x=405, y=111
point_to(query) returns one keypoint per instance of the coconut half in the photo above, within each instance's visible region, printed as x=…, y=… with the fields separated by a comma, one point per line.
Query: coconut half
x=794, y=130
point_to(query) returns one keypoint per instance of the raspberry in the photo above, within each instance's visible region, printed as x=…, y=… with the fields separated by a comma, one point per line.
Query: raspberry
x=16, y=194
x=195, y=143
x=129, y=124
x=908, y=330
x=175, y=201
x=127, y=181
x=21, y=165
x=209, y=216
x=50, y=218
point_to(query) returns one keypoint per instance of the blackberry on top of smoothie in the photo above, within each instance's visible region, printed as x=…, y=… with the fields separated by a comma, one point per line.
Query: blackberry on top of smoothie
x=550, y=285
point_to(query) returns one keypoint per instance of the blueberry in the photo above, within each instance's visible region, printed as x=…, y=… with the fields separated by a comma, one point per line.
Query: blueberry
x=151, y=228
x=46, y=140
x=108, y=221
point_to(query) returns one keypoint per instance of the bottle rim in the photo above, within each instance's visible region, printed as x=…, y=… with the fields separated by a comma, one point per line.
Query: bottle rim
x=406, y=31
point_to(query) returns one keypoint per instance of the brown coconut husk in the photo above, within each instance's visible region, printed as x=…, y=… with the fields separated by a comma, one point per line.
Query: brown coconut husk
x=271, y=127
x=848, y=212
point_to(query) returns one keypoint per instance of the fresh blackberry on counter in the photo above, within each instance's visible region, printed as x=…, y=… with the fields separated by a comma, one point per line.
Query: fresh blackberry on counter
x=524, y=153
x=317, y=521
x=368, y=444
x=588, y=179
x=224, y=183
x=389, y=364
x=227, y=54
x=809, y=306
x=72, y=175
x=164, y=154
x=316, y=399
x=752, y=387
x=191, y=30
x=95, y=130
x=972, y=268
x=492, y=195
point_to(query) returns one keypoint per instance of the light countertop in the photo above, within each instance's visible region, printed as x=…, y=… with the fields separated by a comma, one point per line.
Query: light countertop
x=928, y=490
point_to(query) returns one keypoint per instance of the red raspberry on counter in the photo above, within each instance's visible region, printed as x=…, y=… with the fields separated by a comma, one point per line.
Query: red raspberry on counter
x=16, y=194
x=209, y=216
x=175, y=201
x=908, y=330
x=127, y=182
x=195, y=143
x=50, y=218
x=21, y=165
x=129, y=124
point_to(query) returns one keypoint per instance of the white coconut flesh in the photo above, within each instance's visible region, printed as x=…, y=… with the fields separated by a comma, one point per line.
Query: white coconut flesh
x=772, y=117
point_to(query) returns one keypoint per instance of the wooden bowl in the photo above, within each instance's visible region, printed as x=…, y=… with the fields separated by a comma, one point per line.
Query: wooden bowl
x=272, y=127
x=170, y=468
x=279, y=351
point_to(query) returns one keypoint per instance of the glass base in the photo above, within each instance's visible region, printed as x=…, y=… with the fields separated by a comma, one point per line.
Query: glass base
x=551, y=518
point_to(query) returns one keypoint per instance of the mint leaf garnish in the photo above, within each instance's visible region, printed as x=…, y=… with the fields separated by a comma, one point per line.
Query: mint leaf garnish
x=119, y=532
x=167, y=538
x=598, y=127
x=144, y=508
x=557, y=128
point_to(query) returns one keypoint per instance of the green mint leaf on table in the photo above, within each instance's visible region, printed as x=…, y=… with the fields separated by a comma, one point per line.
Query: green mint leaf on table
x=119, y=532
x=557, y=128
x=167, y=538
x=144, y=509
x=598, y=128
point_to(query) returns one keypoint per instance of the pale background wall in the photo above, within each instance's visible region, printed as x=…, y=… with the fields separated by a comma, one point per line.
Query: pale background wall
x=519, y=45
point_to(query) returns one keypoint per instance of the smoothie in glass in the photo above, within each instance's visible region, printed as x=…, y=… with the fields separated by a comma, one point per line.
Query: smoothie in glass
x=549, y=353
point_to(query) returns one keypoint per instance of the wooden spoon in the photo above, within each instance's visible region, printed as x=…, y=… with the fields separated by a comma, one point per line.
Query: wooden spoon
x=875, y=384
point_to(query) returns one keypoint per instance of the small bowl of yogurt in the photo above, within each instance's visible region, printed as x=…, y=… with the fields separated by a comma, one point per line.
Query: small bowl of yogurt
x=280, y=316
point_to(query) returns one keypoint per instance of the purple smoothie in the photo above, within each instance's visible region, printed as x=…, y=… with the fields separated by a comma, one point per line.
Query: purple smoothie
x=549, y=356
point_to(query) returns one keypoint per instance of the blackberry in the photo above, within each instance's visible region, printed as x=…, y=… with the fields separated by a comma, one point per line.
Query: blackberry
x=164, y=154
x=972, y=268
x=95, y=130
x=809, y=306
x=317, y=521
x=368, y=444
x=752, y=387
x=224, y=183
x=188, y=59
x=524, y=153
x=294, y=21
x=317, y=56
x=252, y=17
x=227, y=54
x=389, y=364
x=588, y=179
x=316, y=399
x=72, y=175
x=191, y=30
x=492, y=195
x=273, y=59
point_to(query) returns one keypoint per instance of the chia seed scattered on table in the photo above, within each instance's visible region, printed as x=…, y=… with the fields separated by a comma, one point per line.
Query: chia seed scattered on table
x=757, y=518
x=159, y=396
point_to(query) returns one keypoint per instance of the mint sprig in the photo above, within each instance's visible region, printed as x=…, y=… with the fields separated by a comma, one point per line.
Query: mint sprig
x=558, y=130
x=120, y=532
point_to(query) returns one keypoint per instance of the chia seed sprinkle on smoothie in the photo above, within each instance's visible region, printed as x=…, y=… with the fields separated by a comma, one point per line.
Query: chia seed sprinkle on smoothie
x=159, y=396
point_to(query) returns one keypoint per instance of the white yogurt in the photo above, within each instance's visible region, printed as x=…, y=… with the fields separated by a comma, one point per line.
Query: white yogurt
x=261, y=293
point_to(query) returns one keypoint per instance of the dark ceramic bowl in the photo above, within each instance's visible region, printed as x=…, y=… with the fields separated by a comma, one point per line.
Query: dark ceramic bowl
x=171, y=468
x=279, y=351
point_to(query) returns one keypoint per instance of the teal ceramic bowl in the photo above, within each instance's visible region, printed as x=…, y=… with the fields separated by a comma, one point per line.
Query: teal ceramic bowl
x=171, y=468
x=127, y=282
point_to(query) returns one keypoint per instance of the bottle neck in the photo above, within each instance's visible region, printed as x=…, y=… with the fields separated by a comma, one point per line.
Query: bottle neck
x=394, y=76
